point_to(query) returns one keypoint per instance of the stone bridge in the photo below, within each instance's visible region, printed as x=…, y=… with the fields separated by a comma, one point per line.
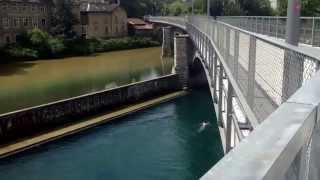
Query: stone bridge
x=265, y=94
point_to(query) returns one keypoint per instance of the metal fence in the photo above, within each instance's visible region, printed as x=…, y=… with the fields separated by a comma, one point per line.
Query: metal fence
x=275, y=26
x=251, y=79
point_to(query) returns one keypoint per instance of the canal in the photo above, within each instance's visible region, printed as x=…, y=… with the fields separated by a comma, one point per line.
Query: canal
x=28, y=84
x=164, y=142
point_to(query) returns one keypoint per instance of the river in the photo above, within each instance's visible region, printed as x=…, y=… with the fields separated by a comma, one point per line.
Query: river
x=27, y=84
x=165, y=142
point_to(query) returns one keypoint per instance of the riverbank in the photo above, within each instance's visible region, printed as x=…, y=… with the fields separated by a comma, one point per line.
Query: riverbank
x=39, y=45
x=29, y=143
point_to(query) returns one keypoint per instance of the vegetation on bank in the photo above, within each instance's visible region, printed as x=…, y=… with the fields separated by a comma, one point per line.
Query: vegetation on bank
x=37, y=44
x=136, y=8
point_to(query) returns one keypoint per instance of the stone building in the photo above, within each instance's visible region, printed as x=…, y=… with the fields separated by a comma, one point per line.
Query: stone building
x=103, y=19
x=17, y=16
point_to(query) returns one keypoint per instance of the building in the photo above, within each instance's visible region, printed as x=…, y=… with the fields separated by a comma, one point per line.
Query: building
x=103, y=19
x=17, y=16
x=138, y=27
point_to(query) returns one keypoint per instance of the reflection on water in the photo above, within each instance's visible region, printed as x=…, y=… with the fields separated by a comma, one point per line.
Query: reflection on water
x=28, y=84
x=159, y=143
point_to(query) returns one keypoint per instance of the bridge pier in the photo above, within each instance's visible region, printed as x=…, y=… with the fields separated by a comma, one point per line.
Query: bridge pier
x=167, y=42
x=183, y=54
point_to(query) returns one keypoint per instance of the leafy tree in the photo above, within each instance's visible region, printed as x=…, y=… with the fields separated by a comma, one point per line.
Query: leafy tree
x=255, y=7
x=309, y=7
x=64, y=20
x=178, y=8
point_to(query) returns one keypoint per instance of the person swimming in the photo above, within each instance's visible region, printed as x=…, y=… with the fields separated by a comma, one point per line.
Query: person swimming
x=203, y=126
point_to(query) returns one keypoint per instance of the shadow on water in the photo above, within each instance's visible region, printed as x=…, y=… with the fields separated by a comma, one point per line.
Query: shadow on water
x=19, y=68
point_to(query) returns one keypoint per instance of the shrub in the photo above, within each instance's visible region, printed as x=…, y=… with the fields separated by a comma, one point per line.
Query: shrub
x=56, y=46
x=22, y=53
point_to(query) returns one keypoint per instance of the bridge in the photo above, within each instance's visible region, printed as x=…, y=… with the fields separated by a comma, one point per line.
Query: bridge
x=265, y=93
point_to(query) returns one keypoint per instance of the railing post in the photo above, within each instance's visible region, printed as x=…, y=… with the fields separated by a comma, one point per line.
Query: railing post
x=277, y=26
x=211, y=61
x=215, y=76
x=220, y=86
x=229, y=117
x=236, y=55
x=312, y=33
x=252, y=71
x=227, y=50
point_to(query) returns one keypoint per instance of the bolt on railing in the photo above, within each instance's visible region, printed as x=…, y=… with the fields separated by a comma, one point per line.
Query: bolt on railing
x=253, y=78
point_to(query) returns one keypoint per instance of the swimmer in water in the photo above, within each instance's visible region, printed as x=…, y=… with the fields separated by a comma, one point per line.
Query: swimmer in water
x=203, y=126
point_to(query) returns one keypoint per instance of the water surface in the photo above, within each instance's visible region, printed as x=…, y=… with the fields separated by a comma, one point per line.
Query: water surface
x=165, y=142
x=28, y=84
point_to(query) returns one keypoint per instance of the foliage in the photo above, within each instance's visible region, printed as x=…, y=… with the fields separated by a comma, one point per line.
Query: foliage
x=63, y=21
x=139, y=8
x=22, y=53
x=177, y=8
x=37, y=44
x=308, y=7
x=85, y=47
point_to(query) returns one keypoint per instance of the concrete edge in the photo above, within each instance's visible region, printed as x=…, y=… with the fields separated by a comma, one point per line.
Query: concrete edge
x=35, y=141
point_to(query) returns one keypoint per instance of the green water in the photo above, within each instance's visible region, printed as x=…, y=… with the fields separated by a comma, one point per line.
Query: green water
x=161, y=143
x=28, y=84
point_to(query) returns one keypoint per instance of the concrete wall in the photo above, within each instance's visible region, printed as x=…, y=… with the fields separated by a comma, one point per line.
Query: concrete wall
x=41, y=118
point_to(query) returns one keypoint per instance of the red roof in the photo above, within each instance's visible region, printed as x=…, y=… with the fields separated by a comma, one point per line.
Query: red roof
x=136, y=21
x=145, y=27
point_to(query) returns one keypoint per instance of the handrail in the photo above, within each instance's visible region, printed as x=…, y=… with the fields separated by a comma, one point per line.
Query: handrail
x=285, y=144
x=275, y=26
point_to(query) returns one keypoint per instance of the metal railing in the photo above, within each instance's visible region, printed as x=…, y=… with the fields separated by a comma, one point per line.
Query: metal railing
x=251, y=79
x=275, y=26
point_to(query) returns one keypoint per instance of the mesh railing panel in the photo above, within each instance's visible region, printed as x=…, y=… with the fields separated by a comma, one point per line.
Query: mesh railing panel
x=276, y=27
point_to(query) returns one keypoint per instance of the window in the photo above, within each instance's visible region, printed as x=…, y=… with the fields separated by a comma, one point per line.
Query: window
x=43, y=22
x=4, y=6
x=24, y=8
x=15, y=22
x=35, y=22
x=15, y=7
x=29, y=21
x=8, y=40
x=5, y=22
x=33, y=8
x=107, y=30
x=25, y=21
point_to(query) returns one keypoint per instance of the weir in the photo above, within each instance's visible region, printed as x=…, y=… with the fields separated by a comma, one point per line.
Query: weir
x=41, y=119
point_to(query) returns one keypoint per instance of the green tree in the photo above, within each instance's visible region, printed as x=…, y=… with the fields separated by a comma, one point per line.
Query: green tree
x=64, y=20
x=178, y=8
x=309, y=7
x=255, y=7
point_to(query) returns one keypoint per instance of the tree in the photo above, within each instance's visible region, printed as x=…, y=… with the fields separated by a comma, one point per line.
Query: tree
x=309, y=7
x=64, y=20
x=178, y=8
x=255, y=7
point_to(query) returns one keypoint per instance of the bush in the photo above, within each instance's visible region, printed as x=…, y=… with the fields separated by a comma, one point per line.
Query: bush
x=40, y=45
x=56, y=47
x=22, y=53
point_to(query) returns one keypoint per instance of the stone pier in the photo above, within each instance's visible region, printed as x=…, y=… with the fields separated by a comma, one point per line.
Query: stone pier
x=167, y=42
x=183, y=54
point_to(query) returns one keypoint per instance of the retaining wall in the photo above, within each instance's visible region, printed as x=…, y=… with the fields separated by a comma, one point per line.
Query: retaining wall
x=36, y=119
